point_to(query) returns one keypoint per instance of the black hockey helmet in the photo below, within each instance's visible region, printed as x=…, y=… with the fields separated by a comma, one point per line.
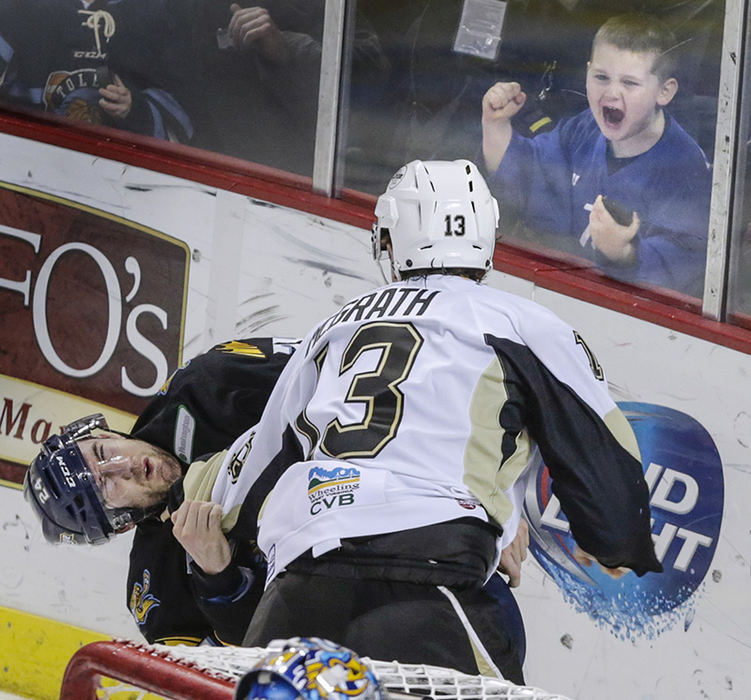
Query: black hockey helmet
x=63, y=492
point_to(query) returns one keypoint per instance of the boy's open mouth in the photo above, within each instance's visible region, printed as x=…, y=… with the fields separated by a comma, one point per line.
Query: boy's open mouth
x=612, y=115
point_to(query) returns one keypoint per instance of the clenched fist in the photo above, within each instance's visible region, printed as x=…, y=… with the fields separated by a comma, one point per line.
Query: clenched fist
x=197, y=526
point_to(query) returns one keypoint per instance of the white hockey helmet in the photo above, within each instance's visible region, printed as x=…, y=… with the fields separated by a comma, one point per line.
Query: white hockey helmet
x=438, y=214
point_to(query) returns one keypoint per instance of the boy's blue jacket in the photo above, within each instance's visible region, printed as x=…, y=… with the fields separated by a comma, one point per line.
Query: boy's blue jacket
x=550, y=182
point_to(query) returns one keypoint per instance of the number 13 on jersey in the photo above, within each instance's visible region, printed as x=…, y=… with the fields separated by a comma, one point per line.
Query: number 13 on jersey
x=377, y=390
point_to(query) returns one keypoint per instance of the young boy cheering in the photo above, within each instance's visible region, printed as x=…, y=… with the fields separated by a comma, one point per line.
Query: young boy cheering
x=626, y=149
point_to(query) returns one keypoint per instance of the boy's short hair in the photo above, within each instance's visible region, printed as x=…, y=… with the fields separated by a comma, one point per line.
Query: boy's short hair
x=642, y=33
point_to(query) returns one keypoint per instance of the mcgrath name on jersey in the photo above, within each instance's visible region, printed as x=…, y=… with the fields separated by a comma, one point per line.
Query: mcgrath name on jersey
x=388, y=302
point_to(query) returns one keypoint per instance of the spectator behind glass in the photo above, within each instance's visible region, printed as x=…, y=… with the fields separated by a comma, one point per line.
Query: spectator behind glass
x=626, y=148
x=250, y=83
x=250, y=75
x=99, y=62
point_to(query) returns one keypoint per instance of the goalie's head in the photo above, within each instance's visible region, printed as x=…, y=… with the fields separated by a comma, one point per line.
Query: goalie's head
x=436, y=215
x=88, y=484
x=309, y=669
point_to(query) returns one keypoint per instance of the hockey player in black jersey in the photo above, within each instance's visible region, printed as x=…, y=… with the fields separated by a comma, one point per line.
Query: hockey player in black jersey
x=200, y=410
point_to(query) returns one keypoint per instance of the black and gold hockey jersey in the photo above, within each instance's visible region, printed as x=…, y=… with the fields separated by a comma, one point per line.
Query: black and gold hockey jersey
x=202, y=407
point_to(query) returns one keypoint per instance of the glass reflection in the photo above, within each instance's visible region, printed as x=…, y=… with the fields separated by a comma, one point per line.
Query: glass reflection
x=98, y=63
x=248, y=74
x=236, y=78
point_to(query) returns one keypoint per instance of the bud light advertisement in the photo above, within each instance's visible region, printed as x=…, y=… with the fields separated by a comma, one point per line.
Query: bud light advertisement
x=683, y=471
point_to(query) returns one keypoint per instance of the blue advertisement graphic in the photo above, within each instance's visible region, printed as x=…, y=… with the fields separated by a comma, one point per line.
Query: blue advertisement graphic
x=683, y=470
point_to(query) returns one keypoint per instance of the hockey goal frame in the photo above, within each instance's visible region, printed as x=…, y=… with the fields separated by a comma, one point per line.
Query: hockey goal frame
x=117, y=669
x=143, y=667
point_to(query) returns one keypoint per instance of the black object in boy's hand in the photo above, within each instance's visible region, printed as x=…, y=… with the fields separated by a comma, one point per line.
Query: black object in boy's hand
x=104, y=77
x=621, y=214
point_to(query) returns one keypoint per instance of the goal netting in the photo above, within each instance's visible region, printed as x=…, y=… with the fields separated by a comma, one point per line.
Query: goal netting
x=124, y=670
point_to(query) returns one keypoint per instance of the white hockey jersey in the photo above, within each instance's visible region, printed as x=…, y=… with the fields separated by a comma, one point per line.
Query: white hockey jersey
x=425, y=401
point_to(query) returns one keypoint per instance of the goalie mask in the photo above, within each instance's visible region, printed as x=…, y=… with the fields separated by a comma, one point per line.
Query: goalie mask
x=310, y=669
x=66, y=494
x=437, y=214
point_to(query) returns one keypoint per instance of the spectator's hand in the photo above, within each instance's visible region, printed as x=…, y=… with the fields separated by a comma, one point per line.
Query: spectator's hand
x=117, y=100
x=502, y=101
x=587, y=560
x=197, y=526
x=499, y=104
x=253, y=27
x=614, y=241
x=513, y=555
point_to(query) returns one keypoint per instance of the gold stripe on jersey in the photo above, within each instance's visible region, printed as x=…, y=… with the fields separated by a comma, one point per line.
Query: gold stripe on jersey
x=176, y=641
x=198, y=485
x=618, y=424
x=229, y=518
x=486, y=473
x=200, y=477
x=237, y=347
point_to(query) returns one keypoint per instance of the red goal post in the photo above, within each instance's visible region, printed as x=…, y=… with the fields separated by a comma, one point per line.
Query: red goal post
x=108, y=668
x=124, y=670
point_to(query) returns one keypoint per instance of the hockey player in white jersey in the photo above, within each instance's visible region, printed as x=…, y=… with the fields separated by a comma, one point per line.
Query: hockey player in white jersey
x=388, y=470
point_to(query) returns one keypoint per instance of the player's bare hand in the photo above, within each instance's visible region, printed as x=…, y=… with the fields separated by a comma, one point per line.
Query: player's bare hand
x=197, y=526
x=513, y=555
x=253, y=27
x=614, y=241
x=502, y=101
x=117, y=99
x=587, y=560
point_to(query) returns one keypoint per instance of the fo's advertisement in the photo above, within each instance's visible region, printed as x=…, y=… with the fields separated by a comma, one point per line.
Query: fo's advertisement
x=92, y=311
